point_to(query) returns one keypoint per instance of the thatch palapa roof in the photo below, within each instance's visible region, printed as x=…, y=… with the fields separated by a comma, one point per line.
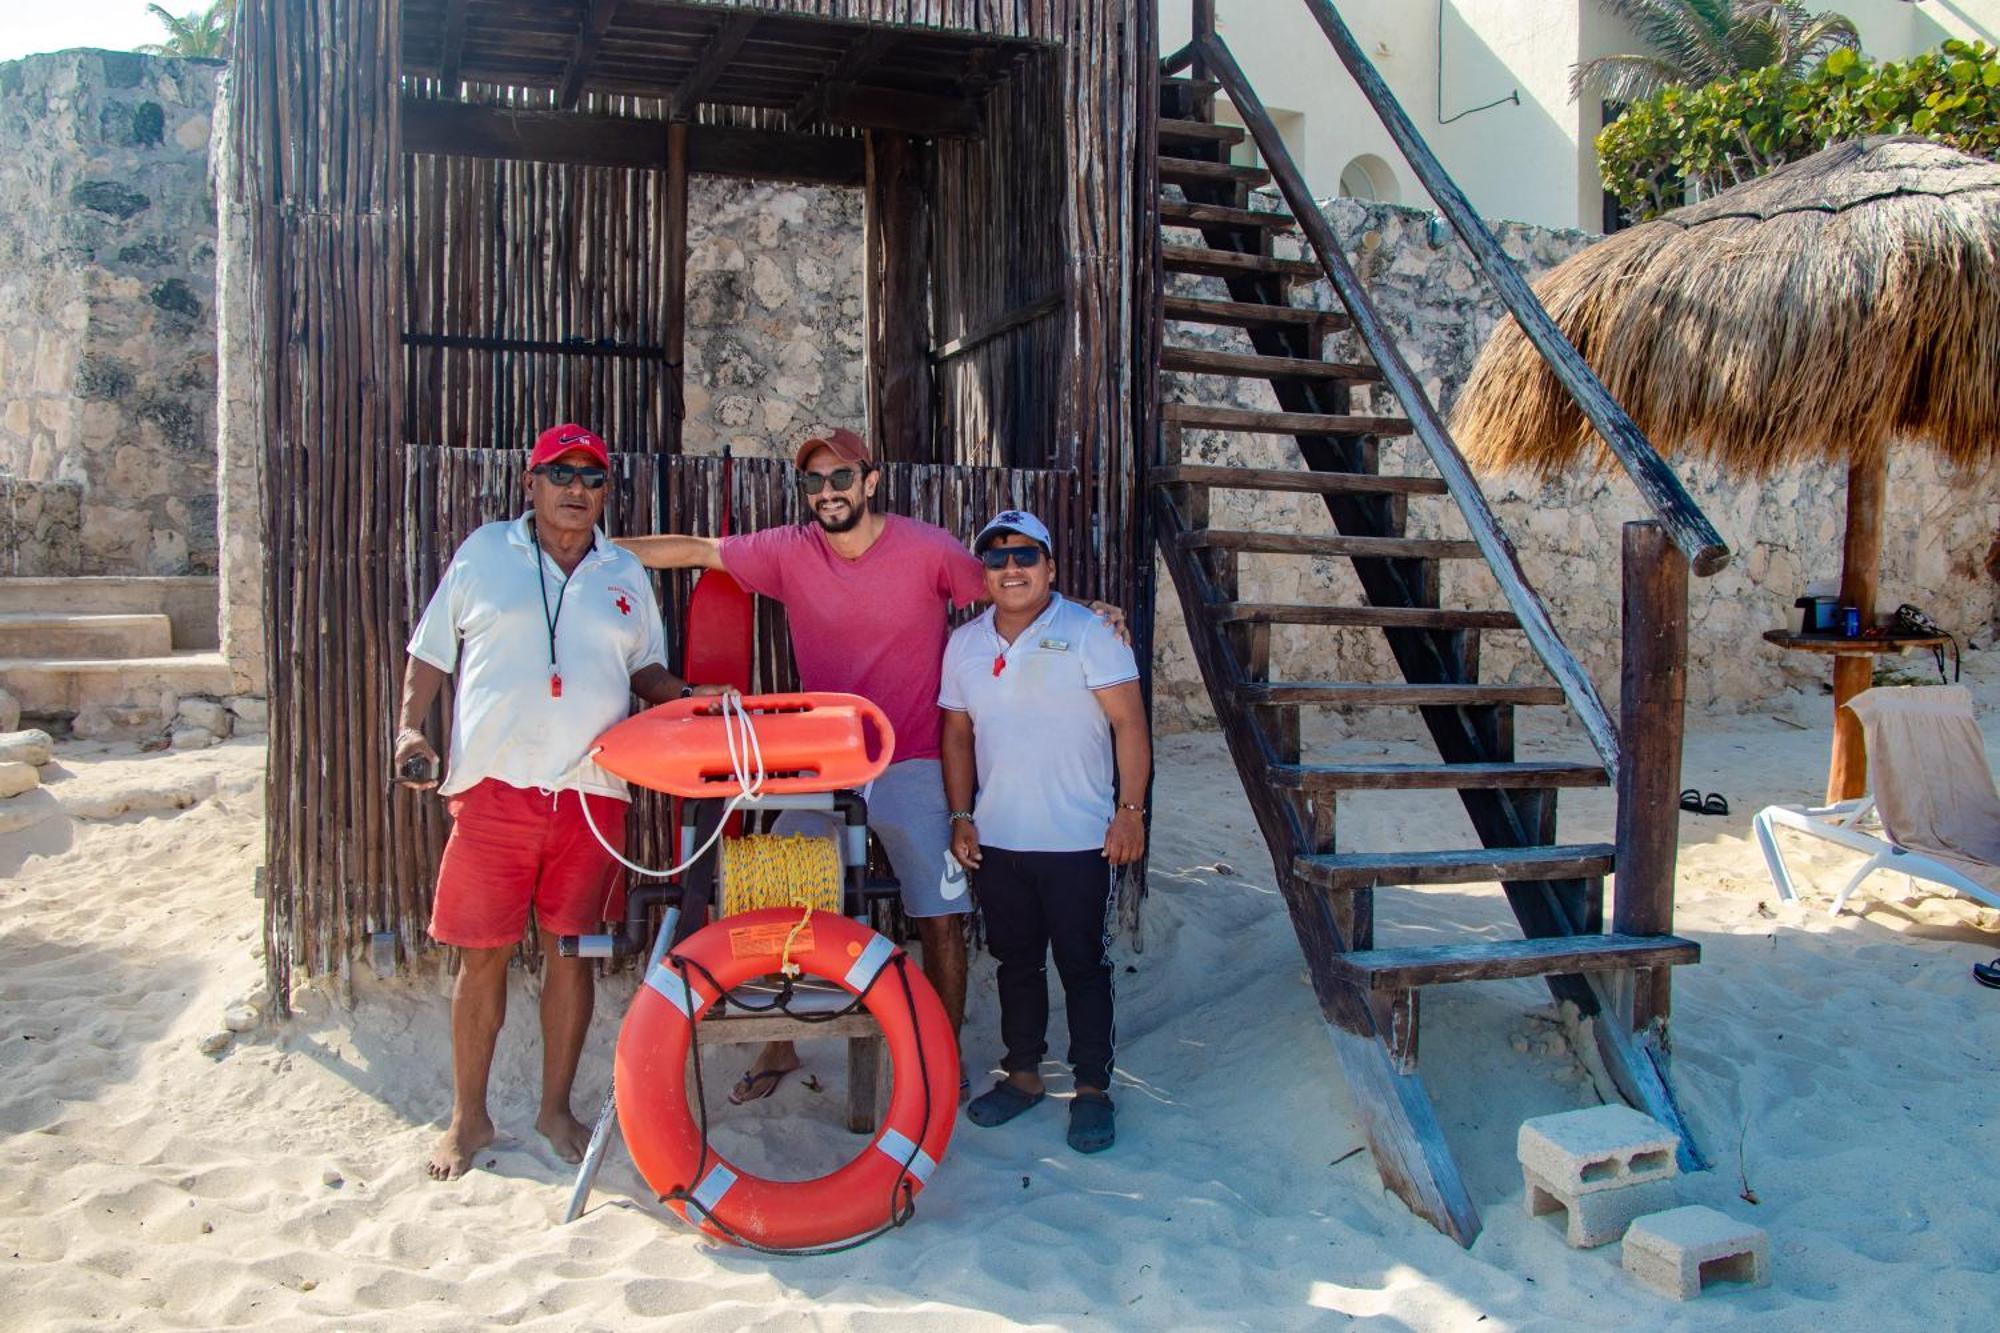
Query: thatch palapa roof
x=1840, y=303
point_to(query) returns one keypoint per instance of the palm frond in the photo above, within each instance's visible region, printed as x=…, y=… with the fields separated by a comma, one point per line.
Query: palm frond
x=1623, y=78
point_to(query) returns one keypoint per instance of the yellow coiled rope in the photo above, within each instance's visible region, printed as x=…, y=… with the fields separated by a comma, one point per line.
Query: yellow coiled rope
x=768, y=871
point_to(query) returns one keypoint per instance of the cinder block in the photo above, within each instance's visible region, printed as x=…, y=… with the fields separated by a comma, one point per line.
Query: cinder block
x=1599, y=1217
x=1679, y=1252
x=1597, y=1148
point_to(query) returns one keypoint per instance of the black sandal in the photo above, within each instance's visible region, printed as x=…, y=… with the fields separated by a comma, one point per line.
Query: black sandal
x=1987, y=974
x=1714, y=804
x=1691, y=800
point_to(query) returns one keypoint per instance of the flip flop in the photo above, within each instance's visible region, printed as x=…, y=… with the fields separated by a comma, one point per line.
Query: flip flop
x=1691, y=800
x=999, y=1104
x=1987, y=974
x=755, y=1085
x=1714, y=804
x=1092, y=1123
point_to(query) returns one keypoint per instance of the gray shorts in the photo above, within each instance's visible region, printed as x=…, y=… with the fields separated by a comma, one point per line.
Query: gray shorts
x=907, y=810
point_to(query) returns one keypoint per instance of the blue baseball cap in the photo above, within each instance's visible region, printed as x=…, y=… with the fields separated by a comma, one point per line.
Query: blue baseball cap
x=1018, y=521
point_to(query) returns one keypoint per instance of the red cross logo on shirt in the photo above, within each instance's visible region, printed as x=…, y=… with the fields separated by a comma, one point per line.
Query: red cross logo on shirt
x=624, y=607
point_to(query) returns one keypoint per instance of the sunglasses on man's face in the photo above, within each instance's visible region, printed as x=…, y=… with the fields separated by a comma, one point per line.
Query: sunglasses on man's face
x=562, y=474
x=996, y=557
x=812, y=483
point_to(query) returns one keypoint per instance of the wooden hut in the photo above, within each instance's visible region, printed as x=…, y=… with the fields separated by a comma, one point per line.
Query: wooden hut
x=470, y=219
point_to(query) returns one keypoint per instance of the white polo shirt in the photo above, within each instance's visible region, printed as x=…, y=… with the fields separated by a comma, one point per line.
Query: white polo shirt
x=487, y=624
x=1042, y=745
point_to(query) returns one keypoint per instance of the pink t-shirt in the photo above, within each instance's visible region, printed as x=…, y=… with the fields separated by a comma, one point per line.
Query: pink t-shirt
x=874, y=626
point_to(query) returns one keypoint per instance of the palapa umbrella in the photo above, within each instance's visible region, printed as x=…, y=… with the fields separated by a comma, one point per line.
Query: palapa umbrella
x=1842, y=304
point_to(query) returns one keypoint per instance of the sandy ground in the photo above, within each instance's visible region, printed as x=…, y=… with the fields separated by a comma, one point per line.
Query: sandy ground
x=1837, y=1071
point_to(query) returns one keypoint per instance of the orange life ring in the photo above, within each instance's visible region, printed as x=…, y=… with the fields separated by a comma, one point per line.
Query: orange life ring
x=809, y=742
x=654, y=1110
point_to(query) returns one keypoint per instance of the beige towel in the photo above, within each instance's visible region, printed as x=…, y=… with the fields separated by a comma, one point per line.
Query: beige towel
x=1927, y=765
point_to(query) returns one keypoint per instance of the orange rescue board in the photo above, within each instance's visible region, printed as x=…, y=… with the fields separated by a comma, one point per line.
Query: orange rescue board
x=810, y=742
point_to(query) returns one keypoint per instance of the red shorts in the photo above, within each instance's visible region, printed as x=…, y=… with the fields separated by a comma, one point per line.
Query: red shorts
x=512, y=848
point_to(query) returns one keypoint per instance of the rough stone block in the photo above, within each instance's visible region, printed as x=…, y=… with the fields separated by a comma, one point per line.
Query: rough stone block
x=1597, y=1218
x=252, y=714
x=1597, y=1148
x=10, y=712
x=95, y=722
x=1680, y=1252
x=188, y=737
x=17, y=778
x=26, y=747
x=206, y=714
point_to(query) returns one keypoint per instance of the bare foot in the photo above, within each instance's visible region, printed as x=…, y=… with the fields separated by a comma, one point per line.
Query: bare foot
x=565, y=1133
x=461, y=1142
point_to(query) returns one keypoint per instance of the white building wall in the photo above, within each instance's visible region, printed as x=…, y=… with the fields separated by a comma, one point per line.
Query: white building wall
x=1531, y=160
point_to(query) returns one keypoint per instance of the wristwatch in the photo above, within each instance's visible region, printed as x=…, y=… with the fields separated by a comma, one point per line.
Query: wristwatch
x=1135, y=809
x=687, y=690
x=965, y=815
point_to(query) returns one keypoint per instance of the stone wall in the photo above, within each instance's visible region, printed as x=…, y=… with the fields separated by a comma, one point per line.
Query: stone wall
x=107, y=278
x=774, y=320
x=1785, y=531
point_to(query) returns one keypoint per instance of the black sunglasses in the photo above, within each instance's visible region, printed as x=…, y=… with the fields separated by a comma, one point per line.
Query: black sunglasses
x=812, y=483
x=562, y=474
x=996, y=557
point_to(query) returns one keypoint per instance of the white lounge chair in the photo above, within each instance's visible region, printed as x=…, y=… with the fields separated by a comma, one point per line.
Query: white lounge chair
x=1933, y=810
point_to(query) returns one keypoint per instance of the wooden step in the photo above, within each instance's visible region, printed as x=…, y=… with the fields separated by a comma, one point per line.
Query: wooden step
x=1340, y=872
x=1372, y=694
x=1230, y=264
x=1493, y=960
x=1178, y=213
x=1251, y=314
x=1187, y=171
x=1199, y=87
x=1199, y=132
x=1372, y=617
x=1299, y=480
x=1450, y=777
x=1209, y=417
x=1245, y=365
x=1300, y=543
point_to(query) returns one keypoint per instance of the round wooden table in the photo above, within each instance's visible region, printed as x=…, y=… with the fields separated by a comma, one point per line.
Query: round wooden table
x=1847, y=770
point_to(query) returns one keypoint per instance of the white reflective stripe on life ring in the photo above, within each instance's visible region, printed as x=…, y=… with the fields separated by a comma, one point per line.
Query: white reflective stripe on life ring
x=871, y=962
x=678, y=990
x=896, y=1146
x=713, y=1186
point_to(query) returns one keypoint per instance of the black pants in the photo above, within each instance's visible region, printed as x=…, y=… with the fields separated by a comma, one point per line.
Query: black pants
x=1035, y=904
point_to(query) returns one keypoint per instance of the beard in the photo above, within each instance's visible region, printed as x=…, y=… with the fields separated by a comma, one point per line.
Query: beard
x=846, y=522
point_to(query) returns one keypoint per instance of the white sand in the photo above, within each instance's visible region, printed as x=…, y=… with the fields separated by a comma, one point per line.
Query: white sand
x=1841, y=1068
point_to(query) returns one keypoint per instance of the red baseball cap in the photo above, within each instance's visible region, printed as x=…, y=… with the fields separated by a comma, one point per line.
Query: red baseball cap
x=567, y=438
x=845, y=444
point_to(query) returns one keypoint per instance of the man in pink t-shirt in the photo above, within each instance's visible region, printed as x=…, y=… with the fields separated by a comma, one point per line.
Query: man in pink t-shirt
x=867, y=595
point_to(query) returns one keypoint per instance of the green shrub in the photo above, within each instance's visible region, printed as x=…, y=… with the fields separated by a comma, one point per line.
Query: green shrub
x=1732, y=130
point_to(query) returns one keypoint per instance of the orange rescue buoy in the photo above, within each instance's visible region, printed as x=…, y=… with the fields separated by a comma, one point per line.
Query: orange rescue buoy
x=809, y=743
x=871, y=1192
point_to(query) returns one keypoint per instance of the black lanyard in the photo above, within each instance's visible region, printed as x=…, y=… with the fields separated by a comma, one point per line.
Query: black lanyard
x=551, y=619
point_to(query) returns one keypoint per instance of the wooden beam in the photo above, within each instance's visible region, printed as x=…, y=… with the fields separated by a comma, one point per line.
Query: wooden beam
x=589, y=37
x=677, y=253
x=454, y=44
x=775, y=155
x=1860, y=574
x=458, y=129
x=865, y=50
x=899, y=262
x=1007, y=323
x=1652, y=702
x=714, y=59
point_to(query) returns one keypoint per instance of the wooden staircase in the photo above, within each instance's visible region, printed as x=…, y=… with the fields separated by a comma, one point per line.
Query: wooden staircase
x=1556, y=890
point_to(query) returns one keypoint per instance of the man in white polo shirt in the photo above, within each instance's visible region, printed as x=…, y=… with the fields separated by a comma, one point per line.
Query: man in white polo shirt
x=1043, y=711
x=550, y=630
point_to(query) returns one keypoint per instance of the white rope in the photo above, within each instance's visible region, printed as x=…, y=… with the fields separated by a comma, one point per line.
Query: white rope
x=746, y=763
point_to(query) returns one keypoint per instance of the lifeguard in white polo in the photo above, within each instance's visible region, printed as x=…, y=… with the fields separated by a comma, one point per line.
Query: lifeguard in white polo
x=1043, y=711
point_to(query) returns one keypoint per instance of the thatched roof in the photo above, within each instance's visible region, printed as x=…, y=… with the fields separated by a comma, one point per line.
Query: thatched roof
x=1840, y=303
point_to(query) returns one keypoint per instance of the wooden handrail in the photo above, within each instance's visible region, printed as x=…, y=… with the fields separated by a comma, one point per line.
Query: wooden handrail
x=1428, y=426
x=1676, y=510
